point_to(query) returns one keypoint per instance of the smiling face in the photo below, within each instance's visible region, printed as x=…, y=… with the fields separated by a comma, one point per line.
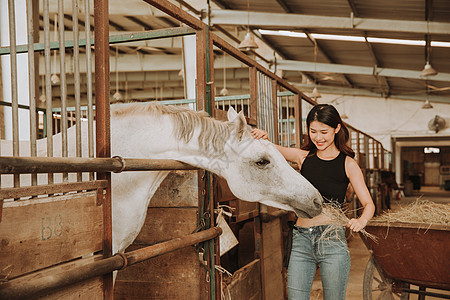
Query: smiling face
x=322, y=135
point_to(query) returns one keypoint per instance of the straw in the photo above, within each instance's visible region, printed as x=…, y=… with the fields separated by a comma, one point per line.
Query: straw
x=338, y=220
x=420, y=211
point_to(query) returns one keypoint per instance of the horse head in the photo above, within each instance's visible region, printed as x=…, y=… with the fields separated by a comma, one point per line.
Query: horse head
x=257, y=172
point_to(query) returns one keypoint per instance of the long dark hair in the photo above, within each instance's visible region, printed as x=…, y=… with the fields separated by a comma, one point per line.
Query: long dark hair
x=328, y=115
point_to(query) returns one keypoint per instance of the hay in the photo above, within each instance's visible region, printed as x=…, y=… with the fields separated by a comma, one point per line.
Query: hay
x=339, y=219
x=420, y=211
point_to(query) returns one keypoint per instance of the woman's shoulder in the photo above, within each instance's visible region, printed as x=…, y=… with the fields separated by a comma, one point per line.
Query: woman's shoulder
x=351, y=165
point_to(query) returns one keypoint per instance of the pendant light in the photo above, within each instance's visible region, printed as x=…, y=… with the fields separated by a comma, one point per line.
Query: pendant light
x=249, y=41
x=428, y=70
x=55, y=78
x=224, y=91
x=117, y=95
x=315, y=92
x=427, y=105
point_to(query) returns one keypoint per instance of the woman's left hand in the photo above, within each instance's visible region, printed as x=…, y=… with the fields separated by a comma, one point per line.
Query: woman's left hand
x=357, y=224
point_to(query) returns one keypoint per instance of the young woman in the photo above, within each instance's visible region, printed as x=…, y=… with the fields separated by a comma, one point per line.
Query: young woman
x=327, y=162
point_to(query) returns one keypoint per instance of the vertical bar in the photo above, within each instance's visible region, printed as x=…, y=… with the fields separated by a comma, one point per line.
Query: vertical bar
x=274, y=111
x=90, y=113
x=201, y=67
x=48, y=85
x=76, y=70
x=253, y=107
x=14, y=97
x=32, y=81
x=62, y=65
x=298, y=121
x=103, y=140
x=288, y=124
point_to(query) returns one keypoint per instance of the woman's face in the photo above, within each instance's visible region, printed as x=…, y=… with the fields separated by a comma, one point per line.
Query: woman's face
x=322, y=135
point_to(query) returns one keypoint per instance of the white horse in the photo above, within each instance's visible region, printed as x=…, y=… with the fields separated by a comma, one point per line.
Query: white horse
x=254, y=169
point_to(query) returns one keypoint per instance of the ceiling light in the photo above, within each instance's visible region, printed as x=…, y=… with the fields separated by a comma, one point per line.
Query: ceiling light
x=428, y=70
x=427, y=105
x=248, y=43
x=224, y=92
x=117, y=96
x=315, y=93
x=55, y=79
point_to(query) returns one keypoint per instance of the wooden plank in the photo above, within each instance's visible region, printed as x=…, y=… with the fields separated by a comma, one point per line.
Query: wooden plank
x=29, y=191
x=42, y=232
x=272, y=259
x=179, y=189
x=91, y=289
x=246, y=283
x=163, y=224
x=170, y=276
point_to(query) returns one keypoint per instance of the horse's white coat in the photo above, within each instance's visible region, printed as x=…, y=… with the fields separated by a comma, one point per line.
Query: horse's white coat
x=254, y=169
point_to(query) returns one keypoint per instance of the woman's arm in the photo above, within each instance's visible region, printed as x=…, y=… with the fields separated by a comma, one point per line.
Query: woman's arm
x=294, y=155
x=356, y=178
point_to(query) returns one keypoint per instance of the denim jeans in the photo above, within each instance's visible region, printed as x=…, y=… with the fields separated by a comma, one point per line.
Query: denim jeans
x=329, y=253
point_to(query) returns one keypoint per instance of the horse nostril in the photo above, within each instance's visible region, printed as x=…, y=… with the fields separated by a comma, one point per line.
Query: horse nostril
x=317, y=202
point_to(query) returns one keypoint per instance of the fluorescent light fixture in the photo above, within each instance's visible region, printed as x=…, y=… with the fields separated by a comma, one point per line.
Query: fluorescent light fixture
x=282, y=33
x=396, y=41
x=335, y=37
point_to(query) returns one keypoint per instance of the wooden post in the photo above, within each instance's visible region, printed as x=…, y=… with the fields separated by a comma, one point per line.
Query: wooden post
x=102, y=115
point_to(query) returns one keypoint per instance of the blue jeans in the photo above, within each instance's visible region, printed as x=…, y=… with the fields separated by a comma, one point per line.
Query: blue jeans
x=330, y=254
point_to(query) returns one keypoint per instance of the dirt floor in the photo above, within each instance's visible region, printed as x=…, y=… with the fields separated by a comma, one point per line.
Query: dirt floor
x=360, y=255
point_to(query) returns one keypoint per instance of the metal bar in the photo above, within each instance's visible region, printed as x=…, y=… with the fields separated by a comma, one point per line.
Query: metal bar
x=177, y=13
x=14, y=96
x=274, y=111
x=113, y=39
x=298, y=121
x=32, y=83
x=62, y=66
x=103, y=130
x=90, y=112
x=30, y=191
x=76, y=66
x=425, y=293
x=48, y=85
x=32, y=286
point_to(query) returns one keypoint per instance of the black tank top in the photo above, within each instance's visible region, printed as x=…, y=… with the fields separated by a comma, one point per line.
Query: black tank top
x=328, y=176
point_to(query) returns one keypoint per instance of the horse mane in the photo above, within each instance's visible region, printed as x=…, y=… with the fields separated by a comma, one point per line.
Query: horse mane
x=213, y=133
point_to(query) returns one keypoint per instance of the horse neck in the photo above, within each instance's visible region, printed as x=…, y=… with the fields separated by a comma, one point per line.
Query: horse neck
x=159, y=141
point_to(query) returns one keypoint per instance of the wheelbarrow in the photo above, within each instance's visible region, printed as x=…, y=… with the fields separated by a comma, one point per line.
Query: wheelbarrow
x=406, y=254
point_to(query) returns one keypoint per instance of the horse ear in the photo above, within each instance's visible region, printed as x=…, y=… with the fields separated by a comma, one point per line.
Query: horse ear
x=241, y=125
x=232, y=114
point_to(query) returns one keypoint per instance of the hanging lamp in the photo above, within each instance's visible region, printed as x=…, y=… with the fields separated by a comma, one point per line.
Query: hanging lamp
x=427, y=105
x=428, y=70
x=55, y=78
x=315, y=92
x=249, y=41
x=224, y=91
x=117, y=95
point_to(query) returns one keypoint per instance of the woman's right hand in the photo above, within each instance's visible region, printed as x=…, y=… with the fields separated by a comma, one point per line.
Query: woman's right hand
x=259, y=134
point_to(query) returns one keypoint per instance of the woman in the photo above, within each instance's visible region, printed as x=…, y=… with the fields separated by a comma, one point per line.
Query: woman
x=327, y=162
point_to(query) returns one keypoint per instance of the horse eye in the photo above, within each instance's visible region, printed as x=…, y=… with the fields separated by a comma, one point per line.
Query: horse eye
x=262, y=162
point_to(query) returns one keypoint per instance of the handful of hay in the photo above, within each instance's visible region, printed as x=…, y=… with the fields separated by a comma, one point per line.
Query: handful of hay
x=339, y=219
x=420, y=211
